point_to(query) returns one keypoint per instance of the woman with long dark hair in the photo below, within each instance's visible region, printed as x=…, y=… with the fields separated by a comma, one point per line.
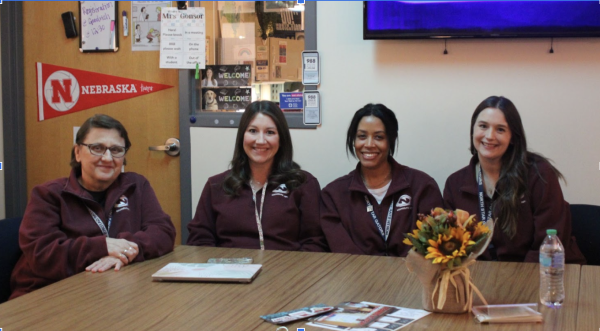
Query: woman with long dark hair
x=518, y=188
x=368, y=210
x=265, y=200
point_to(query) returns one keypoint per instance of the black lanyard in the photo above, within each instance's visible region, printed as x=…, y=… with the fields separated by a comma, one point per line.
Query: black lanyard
x=481, y=197
x=388, y=222
x=99, y=222
x=491, y=248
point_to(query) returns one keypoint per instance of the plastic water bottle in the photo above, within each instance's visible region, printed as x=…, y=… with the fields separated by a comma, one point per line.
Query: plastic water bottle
x=552, y=268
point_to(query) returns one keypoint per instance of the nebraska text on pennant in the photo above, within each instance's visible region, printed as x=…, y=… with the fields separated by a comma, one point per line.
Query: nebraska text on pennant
x=62, y=90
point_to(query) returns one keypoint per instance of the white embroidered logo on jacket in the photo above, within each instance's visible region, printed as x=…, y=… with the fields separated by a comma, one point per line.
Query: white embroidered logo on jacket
x=281, y=190
x=122, y=204
x=404, y=202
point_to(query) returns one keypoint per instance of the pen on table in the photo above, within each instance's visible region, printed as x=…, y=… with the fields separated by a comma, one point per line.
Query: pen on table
x=125, y=25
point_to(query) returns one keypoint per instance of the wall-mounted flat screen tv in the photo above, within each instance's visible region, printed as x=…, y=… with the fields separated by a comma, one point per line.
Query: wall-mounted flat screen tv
x=480, y=19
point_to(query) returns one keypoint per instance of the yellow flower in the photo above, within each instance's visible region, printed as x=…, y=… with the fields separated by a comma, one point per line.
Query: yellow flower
x=480, y=229
x=448, y=248
x=415, y=235
x=447, y=236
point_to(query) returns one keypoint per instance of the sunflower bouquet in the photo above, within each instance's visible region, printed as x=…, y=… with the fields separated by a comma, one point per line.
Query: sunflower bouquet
x=445, y=244
x=447, y=237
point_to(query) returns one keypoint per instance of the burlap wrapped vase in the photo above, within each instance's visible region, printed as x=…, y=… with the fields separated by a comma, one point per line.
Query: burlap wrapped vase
x=448, y=290
x=444, y=290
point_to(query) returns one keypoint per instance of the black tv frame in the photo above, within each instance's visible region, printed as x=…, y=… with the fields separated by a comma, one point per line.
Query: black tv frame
x=397, y=34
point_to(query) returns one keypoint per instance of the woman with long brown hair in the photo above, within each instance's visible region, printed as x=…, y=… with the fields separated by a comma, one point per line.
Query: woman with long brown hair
x=518, y=188
x=265, y=200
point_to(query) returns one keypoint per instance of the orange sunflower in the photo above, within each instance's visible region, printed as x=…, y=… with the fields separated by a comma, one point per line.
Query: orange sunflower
x=480, y=229
x=449, y=247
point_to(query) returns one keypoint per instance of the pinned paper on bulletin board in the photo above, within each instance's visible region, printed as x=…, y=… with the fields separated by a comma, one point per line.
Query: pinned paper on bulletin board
x=145, y=24
x=99, y=26
x=183, y=38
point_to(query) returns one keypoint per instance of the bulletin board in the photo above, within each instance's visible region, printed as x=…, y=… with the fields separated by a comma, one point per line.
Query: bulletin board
x=98, y=26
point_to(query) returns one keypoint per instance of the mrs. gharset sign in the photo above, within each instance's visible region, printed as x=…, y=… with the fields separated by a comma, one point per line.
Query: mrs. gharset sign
x=63, y=90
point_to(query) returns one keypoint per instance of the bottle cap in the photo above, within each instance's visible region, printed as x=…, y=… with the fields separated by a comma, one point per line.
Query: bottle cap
x=551, y=232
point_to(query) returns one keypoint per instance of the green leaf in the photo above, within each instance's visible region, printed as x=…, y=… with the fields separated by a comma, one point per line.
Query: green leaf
x=457, y=262
x=479, y=241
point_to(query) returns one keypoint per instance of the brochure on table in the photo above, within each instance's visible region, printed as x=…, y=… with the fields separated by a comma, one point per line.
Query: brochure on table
x=367, y=316
x=183, y=37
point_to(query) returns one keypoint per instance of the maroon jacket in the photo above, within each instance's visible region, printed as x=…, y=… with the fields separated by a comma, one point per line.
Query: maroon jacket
x=348, y=226
x=543, y=207
x=59, y=238
x=290, y=220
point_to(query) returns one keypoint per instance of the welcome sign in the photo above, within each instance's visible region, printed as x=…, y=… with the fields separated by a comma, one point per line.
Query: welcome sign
x=228, y=75
x=62, y=90
x=226, y=99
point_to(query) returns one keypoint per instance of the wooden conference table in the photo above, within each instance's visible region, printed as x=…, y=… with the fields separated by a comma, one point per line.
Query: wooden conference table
x=130, y=300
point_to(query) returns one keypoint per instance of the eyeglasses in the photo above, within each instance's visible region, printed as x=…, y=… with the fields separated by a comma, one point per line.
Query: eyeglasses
x=99, y=150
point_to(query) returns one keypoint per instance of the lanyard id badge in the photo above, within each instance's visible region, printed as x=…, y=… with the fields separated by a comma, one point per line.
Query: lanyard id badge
x=99, y=221
x=384, y=234
x=491, y=248
x=261, y=237
x=481, y=197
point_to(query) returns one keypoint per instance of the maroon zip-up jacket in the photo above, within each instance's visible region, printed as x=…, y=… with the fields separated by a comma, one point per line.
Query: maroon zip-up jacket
x=59, y=238
x=290, y=220
x=542, y=207
x=348, y=226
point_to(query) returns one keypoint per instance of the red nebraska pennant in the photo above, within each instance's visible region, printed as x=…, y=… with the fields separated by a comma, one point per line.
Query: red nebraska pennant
x=63, y=90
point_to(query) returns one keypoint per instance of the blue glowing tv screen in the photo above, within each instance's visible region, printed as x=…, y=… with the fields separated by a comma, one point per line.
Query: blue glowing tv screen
x=480, y=19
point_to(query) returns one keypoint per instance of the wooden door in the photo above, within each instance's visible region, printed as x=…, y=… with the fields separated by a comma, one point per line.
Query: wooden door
x=149, y=119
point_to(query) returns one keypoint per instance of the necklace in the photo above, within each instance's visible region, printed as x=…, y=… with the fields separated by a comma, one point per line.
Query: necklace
x=489, y=188
x=381, y=183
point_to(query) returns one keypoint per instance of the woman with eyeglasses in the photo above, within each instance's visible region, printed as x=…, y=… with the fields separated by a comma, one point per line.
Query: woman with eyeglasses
x=95, y=220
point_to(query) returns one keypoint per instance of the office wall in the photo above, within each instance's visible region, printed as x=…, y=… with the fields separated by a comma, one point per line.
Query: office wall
x=434, y=95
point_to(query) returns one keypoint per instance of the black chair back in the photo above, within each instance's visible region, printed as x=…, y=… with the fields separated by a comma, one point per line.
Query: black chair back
x=11, y=252
x=586, y=227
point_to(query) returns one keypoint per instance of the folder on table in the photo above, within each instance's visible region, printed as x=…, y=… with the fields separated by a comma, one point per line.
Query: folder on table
x=208, y=272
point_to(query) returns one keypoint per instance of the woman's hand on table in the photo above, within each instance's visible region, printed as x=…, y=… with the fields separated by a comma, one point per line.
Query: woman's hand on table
x=106, y=263
x=122, y=249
